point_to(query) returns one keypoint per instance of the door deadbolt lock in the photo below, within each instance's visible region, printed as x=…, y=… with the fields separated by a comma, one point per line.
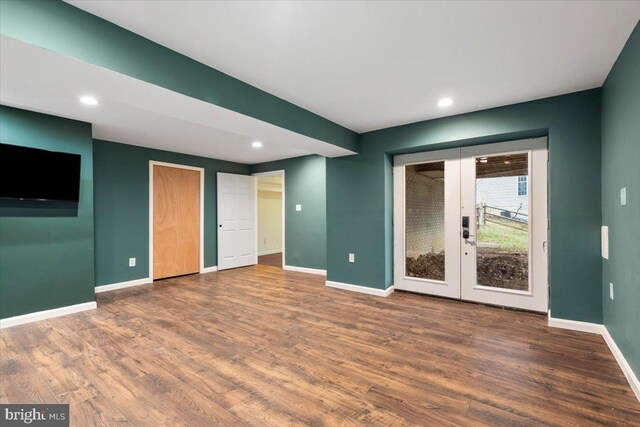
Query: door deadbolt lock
x=465, y=227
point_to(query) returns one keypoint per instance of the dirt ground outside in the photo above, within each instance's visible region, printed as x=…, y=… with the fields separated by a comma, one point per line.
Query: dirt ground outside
x=495, y=268
x=427, y=266
x=506, y=270
x=502, y=257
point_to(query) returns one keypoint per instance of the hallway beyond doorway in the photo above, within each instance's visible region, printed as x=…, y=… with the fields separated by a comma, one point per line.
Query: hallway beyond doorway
x=272, y=260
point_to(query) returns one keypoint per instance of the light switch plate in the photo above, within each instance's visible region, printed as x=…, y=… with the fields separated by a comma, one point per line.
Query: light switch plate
x=611, y=290
x=623, y=196
x=604, y=241
x=132, y=262
x=352, y=258
x=298, y=207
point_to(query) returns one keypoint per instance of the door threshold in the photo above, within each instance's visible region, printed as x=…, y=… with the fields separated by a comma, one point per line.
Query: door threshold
x=503, y=307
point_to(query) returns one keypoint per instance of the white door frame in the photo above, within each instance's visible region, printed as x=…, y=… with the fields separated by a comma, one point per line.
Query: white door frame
x=153, y=163
x=279, y=172
x=536, y=298
x=450, y=287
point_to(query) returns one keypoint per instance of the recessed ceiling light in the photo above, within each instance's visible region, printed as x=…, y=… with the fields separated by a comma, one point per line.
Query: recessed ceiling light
x=256, y=144
x=445, y=102
x=483, y=160
x=88, y=100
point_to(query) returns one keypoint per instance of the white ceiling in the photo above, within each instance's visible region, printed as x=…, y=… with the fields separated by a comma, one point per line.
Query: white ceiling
x=135, y=112
x=370, y=65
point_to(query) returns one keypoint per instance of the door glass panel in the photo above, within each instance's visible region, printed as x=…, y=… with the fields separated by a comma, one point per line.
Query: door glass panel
x=502, y=220
x=424, y=219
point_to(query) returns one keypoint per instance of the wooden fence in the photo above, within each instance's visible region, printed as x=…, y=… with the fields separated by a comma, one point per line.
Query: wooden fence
x=486, y=213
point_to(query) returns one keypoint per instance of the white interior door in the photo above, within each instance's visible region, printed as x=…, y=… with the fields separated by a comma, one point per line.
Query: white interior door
x=504, y=197
x=236, y=220
x=471, y=223
x=426, y=222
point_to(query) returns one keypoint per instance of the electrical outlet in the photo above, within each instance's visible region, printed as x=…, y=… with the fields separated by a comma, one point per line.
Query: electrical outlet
x=352, y=258
x=298, y=207
x=611, y=290
x=623, y=196
x=132, y=262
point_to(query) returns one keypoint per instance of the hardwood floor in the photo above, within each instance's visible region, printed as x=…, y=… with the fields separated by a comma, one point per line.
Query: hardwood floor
x=274, y=260
x=263, y=346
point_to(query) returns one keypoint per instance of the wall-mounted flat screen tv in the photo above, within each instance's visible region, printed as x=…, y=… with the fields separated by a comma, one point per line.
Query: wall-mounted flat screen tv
x=35, y=174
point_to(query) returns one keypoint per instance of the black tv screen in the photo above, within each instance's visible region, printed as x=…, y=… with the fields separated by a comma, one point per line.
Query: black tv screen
x=35, y=174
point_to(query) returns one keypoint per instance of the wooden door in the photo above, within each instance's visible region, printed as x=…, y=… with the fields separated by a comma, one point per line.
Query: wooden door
x=176, y=221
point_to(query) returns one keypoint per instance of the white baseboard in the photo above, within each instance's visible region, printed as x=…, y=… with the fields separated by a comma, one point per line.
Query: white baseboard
x=626, y=369
x=46, y=314
x=596, y=328
x=305, y=270
x=121, y=285
x=574, y=325
x=209, y=269
x=361, y=289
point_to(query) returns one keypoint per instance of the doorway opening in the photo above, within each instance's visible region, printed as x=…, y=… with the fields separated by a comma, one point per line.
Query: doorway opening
x=471, y=223
x=271, y=214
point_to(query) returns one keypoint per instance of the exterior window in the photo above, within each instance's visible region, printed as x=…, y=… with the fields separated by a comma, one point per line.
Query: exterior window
x=522, y=185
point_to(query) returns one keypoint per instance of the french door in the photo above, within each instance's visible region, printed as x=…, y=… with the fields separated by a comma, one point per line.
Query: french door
x=471, y=223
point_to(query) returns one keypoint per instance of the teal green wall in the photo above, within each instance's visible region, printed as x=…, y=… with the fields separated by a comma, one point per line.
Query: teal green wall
x=621, y=168
x=121, y=186
x=46, y=248
x=65, y=29
x=359, y=193
x=305, y=230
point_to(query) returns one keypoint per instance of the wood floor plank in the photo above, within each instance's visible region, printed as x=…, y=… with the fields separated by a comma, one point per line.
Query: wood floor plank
x=97, y=411
x=22, y=384
x=263, y=346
